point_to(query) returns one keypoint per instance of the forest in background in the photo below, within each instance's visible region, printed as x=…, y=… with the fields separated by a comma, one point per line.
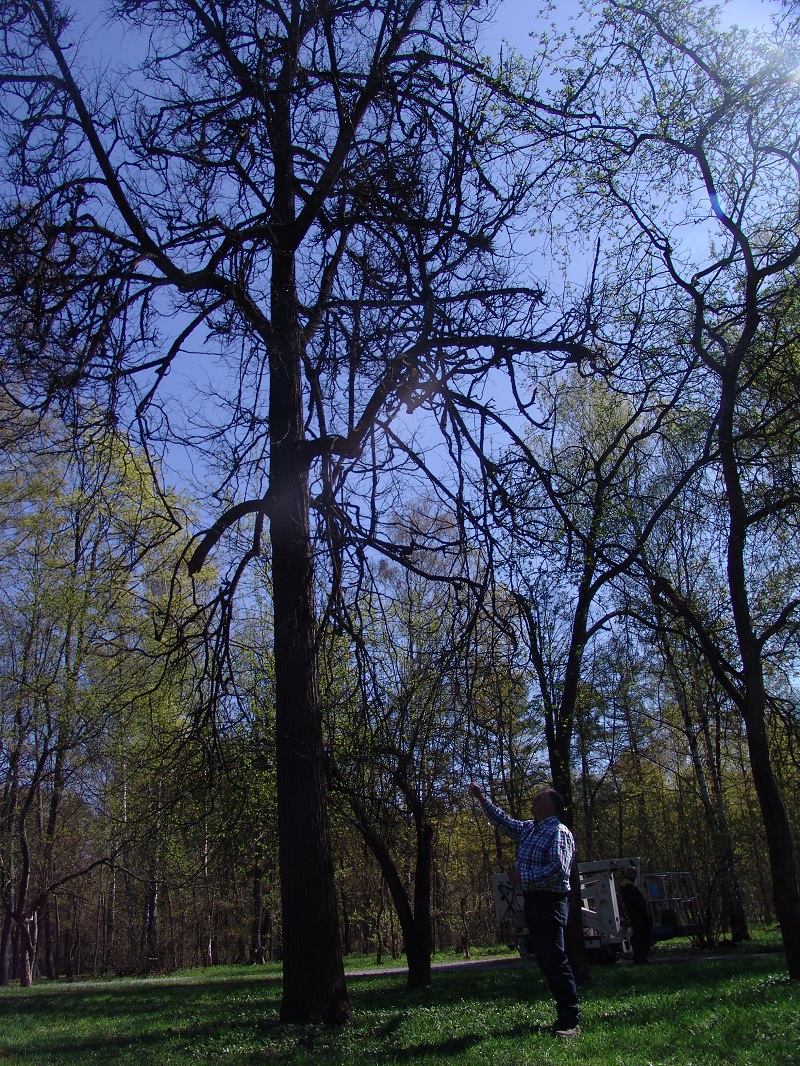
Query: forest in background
x=139, y=830
x=444, y=518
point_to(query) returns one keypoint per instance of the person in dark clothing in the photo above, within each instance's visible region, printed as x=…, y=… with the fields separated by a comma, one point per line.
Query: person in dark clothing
x=545, y=851
x=638, y=915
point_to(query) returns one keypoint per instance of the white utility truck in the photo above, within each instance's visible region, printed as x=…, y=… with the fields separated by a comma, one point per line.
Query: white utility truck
x=671, y=899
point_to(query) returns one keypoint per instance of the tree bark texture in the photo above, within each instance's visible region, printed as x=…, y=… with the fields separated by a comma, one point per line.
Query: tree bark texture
x=314, y=987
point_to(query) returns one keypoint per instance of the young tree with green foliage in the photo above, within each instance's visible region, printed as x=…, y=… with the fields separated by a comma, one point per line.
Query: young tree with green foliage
x=566, y=497
x=677, y=143
x=76, y=655
x=395, y=731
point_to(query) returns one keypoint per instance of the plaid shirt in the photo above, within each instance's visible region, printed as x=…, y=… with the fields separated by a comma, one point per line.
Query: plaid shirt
x=545, y=850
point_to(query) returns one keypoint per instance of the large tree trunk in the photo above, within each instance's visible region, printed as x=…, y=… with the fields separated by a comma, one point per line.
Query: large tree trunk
x=22, y=919
x=574, y=941
x=110, y=927
x=313, y=970
x=314, y=986
x=26, y=954
x=150, y=918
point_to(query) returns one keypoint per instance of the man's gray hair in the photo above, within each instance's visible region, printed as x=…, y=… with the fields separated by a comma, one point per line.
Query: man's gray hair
x=556, y=799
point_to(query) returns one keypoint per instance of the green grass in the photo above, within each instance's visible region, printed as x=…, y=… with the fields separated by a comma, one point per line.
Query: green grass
x=724, y=1012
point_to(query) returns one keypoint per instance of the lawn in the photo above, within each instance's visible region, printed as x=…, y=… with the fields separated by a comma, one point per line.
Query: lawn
x=735, y=1011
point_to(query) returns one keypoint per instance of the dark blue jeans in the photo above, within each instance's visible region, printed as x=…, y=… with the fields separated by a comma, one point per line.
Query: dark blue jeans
x=546, y=917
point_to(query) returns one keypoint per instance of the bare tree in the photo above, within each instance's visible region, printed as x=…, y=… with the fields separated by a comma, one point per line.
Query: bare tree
x=316, y=195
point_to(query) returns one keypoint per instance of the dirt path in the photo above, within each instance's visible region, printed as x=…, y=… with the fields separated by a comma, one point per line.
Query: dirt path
x=508, y=962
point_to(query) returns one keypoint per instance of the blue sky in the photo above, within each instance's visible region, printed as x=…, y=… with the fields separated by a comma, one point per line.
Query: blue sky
x=514, y=21
x=516, y=18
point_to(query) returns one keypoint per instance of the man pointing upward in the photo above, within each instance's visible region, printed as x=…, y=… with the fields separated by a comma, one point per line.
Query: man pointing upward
x=545, y=850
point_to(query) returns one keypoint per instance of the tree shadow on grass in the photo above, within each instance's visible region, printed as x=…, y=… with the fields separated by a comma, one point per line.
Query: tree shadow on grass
x=128, y=1024
x=442, y=1049
x=121, y=1001
x=479, y=986
x=162, y=1022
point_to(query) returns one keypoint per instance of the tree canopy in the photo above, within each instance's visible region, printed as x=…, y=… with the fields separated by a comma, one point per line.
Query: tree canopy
x=450, y=509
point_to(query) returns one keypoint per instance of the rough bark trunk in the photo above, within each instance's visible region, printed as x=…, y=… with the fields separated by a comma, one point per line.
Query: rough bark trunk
x=314, y=986
x=110, y=927
x=25, y=956
x=150, y=920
